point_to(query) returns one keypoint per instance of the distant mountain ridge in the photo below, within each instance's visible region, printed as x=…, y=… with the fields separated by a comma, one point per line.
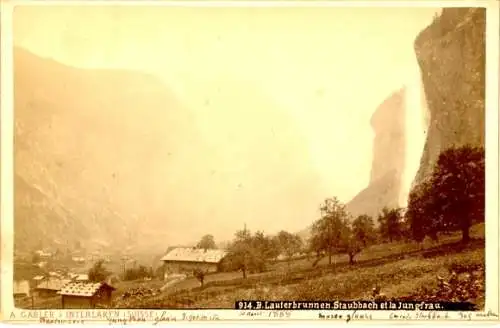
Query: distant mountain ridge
x=78, y=140
x=388, y=161
x=126, y=159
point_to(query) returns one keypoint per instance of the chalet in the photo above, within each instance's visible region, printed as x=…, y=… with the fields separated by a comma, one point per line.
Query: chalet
x=44, y=254
x=82, y=277
x=94, y=256
x=21, y=289
x=50, y=286
x=41, y=264
x=78, y=259
x=86, y=295
x=55, y=275
x=38, y=278
x=185, y=260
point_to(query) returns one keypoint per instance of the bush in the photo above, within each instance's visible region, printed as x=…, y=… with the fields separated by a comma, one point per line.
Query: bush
x=465, y=285
x=98, y=272
x=138, y=273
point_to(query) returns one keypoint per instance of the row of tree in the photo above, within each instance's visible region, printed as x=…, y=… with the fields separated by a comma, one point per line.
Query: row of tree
x=451, y=199
x=252, y=252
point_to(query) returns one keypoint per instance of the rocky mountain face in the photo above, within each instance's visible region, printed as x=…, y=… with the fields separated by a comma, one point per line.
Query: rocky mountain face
x=81, y=139
x=39, y=219
x=111, y=157
x=451, y=55
x=388, y=123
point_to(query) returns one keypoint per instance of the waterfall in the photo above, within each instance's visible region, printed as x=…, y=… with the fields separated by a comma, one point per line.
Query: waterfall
x=416, y=125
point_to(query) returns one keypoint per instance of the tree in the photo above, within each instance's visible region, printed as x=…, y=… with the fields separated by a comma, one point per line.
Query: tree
x=459, y=188
x=207, y=242
x=289, y=244
x=358, y=235
x=316, y=246
x=138, y=273
x=363, y=230
x=327, y=231
x=391, y=224
x=98, y=272
x=421, y=215
x=200, y=275
x=249, y=253
x=240, y=252
x=454, y=199
x=265, y=248
x=160, y=272
x=273, y=248
x=352, y=245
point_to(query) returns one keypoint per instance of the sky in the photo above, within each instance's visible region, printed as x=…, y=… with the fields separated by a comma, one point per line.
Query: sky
x=326, y=69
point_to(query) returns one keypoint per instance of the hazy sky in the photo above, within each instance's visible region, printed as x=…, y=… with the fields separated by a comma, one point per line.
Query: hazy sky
x=326, y=68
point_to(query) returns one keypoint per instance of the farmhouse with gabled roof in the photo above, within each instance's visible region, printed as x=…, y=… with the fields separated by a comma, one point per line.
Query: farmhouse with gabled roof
x=185, y=260
x=86, y=295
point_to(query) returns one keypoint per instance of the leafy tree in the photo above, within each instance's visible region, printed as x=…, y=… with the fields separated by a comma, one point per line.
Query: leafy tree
x=459, y=188
x=207, y=242
x=240, y=252
x=290, y=244
x=98, y=272
x=138, y=273
x=265, y=247
x=250, y=253
x=200, y=275
x=421, y=215
x=391, y=224
x=274, y=248
x=358, y=235
x=363, y=230
x=327, y=231
x=455, y=198
x=160, y=272
x=351, y=245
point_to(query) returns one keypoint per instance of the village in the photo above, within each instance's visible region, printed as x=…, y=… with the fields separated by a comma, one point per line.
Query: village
x=55, y=280
x=47, y=274
x=100, y=280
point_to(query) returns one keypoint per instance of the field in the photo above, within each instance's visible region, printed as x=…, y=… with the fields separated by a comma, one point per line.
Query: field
x=402, y=270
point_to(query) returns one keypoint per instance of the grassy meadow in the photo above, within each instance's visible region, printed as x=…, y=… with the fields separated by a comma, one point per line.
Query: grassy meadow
x=402, y=270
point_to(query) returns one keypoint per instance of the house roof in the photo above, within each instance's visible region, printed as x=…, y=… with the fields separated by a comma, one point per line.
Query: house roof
x=53, y=284
x=85, y=289
x=82, y=277
x=184, y=254
x=22, y=287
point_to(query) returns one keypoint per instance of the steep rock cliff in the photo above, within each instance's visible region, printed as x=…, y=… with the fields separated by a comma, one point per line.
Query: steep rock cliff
x=81, y=138
x=388, y=158
x=451, y=56
x=118, y=155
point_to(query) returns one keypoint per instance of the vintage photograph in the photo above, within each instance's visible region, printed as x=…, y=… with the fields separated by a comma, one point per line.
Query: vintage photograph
x=189, y=157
